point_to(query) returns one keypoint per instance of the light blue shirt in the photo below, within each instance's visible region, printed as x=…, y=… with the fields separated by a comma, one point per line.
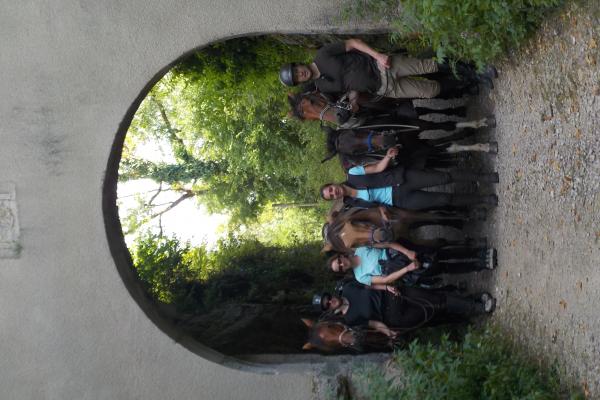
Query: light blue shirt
x=378, y=195
x=369, y=263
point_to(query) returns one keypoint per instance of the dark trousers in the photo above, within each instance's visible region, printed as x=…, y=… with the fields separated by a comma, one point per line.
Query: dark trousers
x=413, y=309
x=409, y=194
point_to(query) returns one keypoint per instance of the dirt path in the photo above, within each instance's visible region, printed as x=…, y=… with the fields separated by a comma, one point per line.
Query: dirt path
x=547, y=226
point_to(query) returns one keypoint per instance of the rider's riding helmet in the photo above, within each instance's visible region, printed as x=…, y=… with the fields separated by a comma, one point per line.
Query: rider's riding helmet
x=286, y=74
x=319, y=300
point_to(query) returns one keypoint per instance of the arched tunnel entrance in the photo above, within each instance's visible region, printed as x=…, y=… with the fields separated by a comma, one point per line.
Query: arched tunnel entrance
x=246, y=321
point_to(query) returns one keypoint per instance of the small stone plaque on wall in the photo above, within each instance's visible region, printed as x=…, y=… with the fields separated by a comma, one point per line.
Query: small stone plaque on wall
x=9, y=223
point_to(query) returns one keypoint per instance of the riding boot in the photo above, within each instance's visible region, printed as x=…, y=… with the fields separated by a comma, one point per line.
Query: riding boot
x=468, y=72
x=452, y=111
x=452, y=88
x=462, y=200
x=469, y=176
x=466, y=306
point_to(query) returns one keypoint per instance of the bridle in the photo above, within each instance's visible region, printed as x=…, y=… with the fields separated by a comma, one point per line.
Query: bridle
x=346, y=330
x=372, y=230
x=342, y=104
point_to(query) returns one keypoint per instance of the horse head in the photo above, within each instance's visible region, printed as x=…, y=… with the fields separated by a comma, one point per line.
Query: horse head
x=330, y=336
x=315, y=106
x=357, y=227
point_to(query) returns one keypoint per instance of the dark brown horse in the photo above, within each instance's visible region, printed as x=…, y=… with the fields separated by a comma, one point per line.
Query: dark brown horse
x=316, y=106
x=333, y=336
x=355, y=227
x=361, y=146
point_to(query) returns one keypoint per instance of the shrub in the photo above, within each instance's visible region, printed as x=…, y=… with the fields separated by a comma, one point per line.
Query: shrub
x=485, y=365
x=470, y=30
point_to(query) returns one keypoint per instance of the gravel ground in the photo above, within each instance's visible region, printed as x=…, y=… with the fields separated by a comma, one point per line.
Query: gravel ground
x=547, y=225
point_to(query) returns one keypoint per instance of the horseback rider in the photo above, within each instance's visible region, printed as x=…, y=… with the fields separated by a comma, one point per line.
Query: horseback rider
x=392, y=261
x=403, y=309
x=400, y=186
x=352, y=66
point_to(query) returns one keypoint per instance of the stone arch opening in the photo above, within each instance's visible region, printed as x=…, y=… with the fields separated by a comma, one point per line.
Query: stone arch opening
x=162, y=315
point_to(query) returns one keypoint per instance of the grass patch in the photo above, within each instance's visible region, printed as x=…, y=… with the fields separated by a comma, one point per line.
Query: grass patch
x=468, y=30
x=484, y=365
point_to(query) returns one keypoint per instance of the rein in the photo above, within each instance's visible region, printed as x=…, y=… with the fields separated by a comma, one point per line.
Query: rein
x=340, y=341
x=370, y=142
x=341, y=104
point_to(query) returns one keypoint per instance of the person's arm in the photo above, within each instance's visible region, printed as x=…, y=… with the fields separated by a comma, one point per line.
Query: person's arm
x=411, y=255
x=383, y=163
x=385, y=216
x=385, y=288
x=353, y=99
x=359, y=45
x=359, y=203
x=383, y=328
x=394, y=276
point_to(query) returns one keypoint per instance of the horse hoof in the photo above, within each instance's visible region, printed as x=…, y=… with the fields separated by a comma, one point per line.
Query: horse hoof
x=490, y=72
x=490, y=121
x=493, y=148
x=488, y=302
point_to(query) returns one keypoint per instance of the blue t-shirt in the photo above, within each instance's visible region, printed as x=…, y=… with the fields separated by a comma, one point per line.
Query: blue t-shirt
x=369, y=263
x=378, y=195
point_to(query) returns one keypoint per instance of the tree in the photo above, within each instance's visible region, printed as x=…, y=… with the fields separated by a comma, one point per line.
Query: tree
x=243, y=297
x=221, y=113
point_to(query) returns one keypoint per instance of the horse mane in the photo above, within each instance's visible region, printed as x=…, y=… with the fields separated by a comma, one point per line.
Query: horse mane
x=331, y=136
x=333, y=235
x=294, y=101
x=336, y=226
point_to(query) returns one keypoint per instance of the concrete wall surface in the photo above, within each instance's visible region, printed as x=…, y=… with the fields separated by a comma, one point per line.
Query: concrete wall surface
x=70, y=69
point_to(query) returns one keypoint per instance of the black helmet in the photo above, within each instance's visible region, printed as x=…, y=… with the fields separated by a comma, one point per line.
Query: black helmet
x=286, y=74
x=318, y=300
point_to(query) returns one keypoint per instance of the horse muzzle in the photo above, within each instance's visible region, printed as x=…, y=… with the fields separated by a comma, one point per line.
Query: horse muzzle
x=382, y=235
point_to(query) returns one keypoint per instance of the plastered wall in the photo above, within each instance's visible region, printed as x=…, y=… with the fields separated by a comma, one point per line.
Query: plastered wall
x=70, y=70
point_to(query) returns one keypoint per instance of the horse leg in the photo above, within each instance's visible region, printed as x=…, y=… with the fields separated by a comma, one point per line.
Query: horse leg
x=456, y=136
x=454, y=223
x=489, y=121
x=437, y=161
x=459, y=111
x=439, y=242
x=491, y=147
x=435, y=126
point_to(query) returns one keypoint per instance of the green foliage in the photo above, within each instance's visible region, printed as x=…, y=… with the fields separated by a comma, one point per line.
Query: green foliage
x=170, y=270
x=289, y=225
x=485, y=365
x=240, y=270
x=220, y=116
x=245, y=270
x=469, y=30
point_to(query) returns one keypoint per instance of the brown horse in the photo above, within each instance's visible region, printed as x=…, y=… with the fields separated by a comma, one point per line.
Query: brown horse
x=355, y=227
x=360, y=146
x=331, y=336
x=315, y=106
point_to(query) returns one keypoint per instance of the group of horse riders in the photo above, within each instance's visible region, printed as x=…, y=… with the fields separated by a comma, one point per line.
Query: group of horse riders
x=369, y=95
